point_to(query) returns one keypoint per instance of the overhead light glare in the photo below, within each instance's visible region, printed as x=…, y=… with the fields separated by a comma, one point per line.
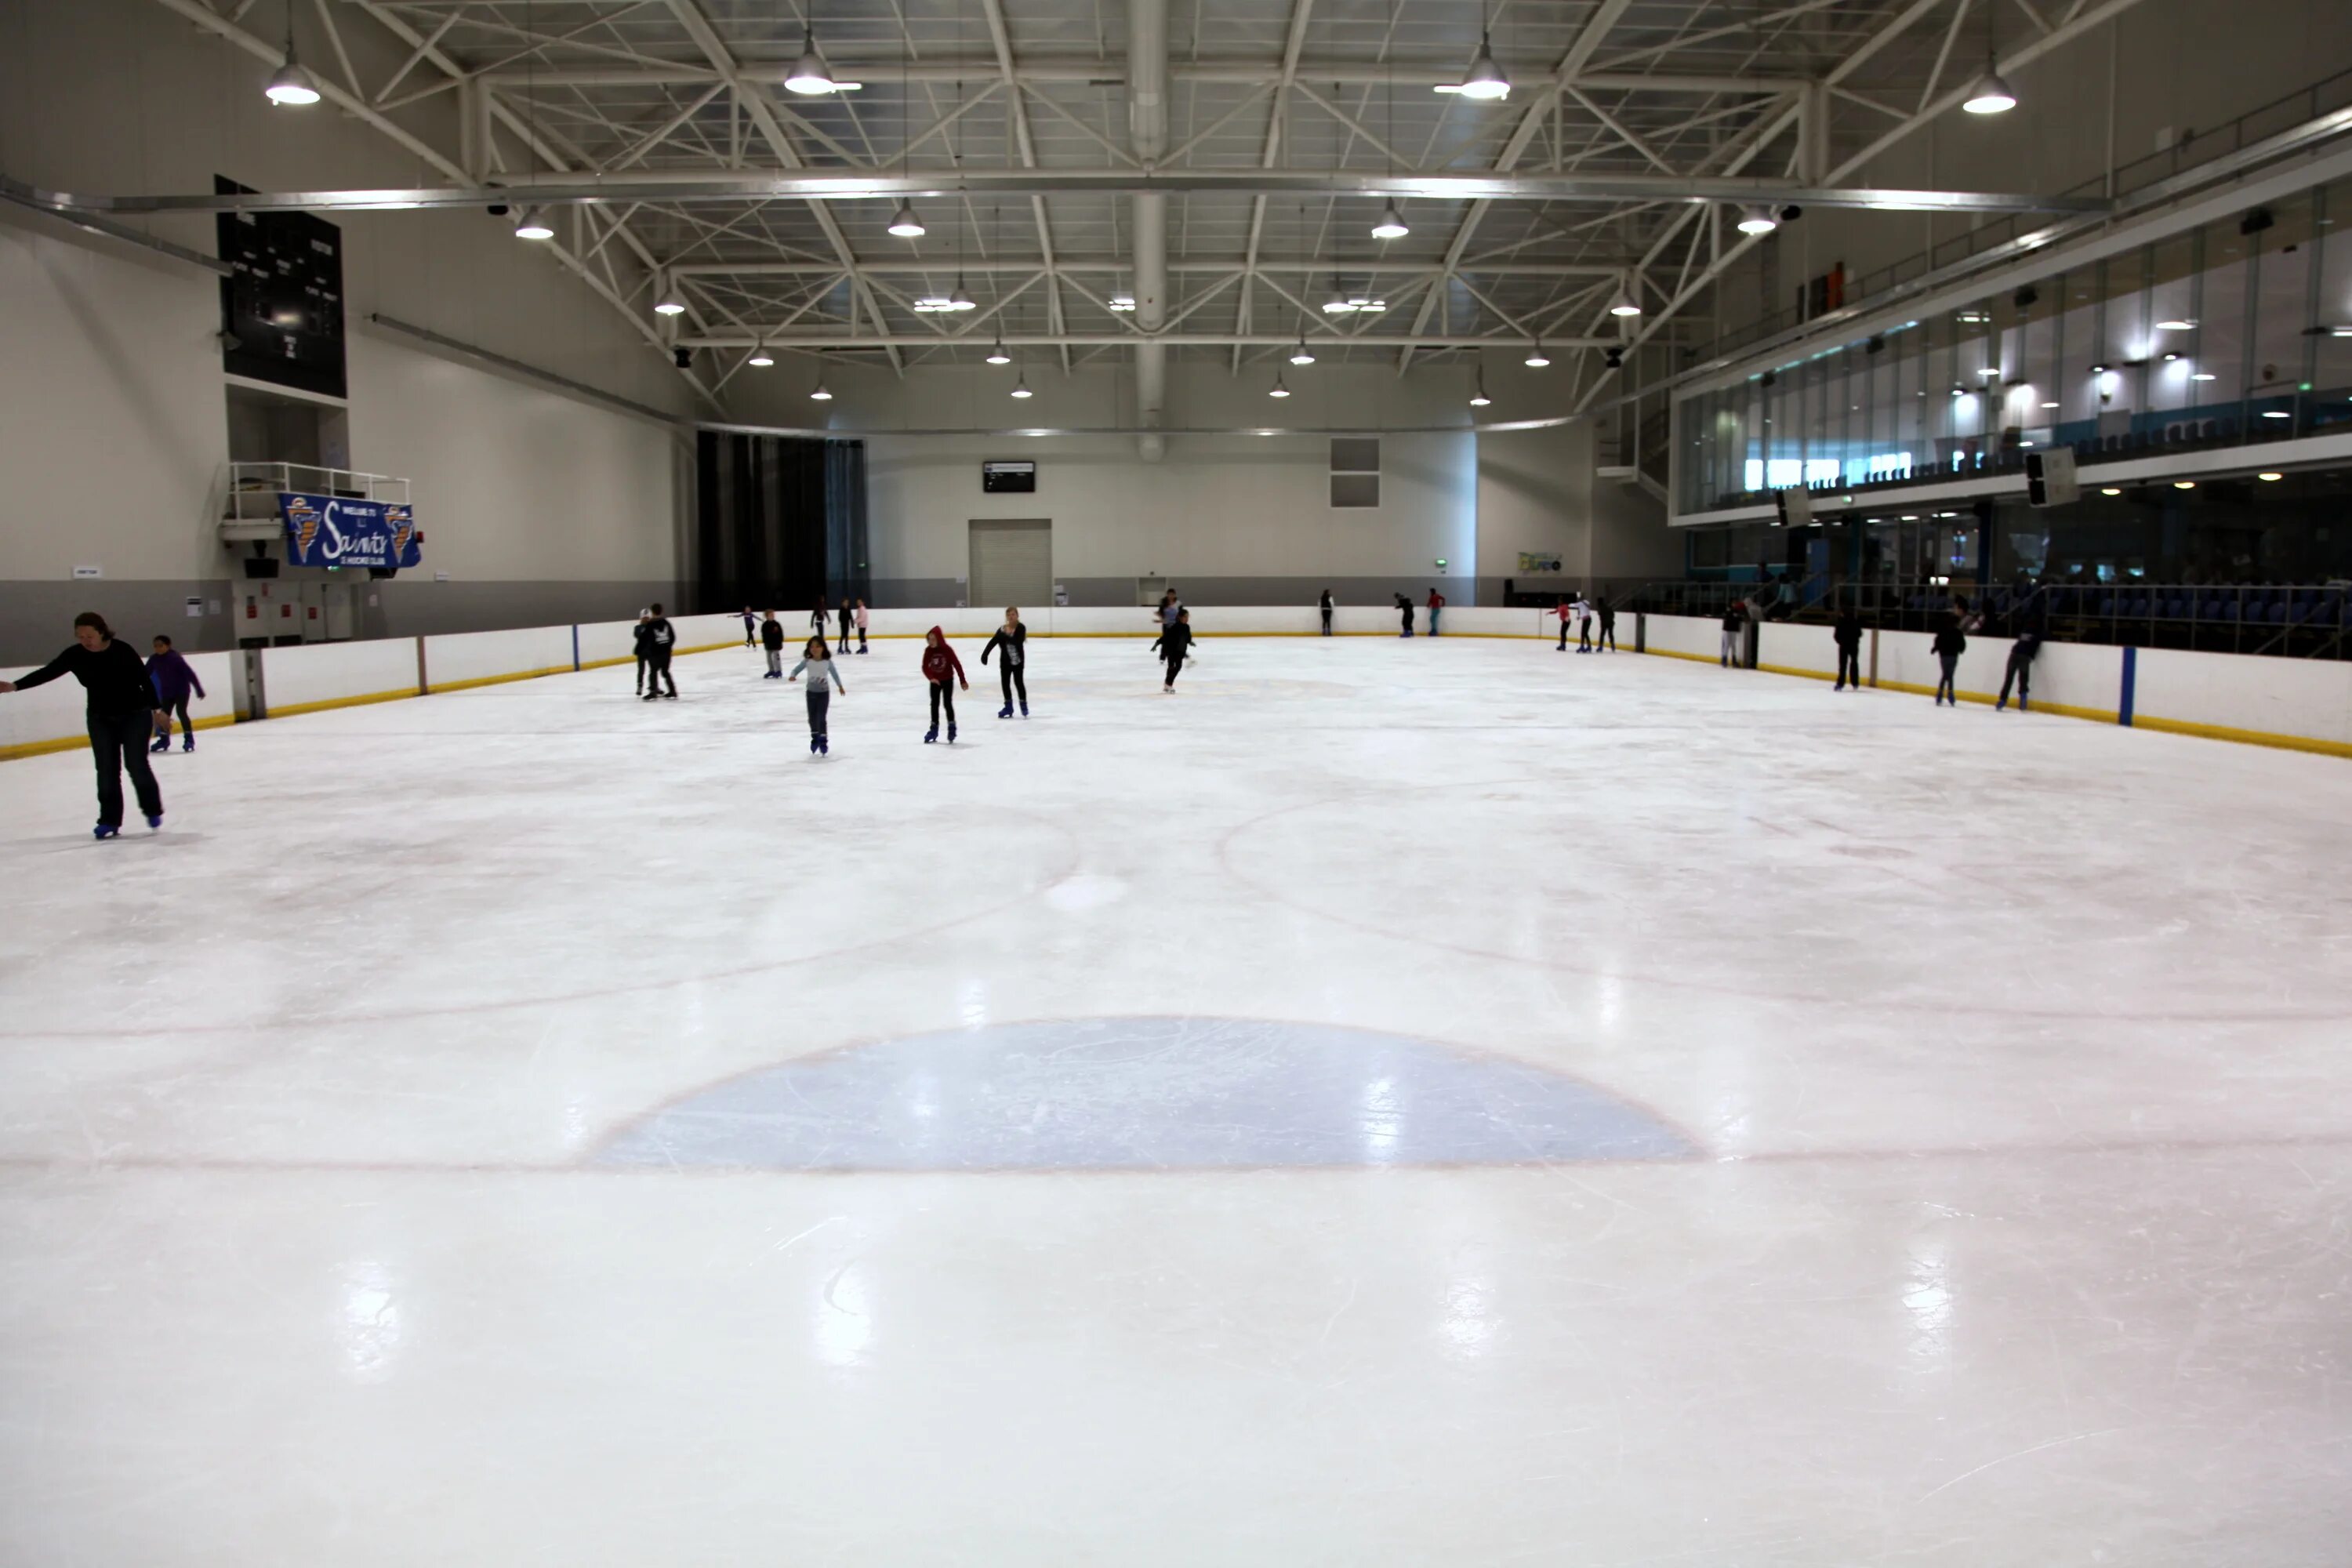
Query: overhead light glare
x=2184, y=484
x=1366, y=304
x=2176, y=324
x=293, y=87
x=534, y=226
x=761, y=358
x=1484, y=80
x=819, y=393
x=1122, y=302
x=1478, y=399
x=2049, y=405
x=669, y=304
x=1757, y=220
x=810, y=77
x=960, y=301
x=2203, y=376
x=1302, y=355
x=1391, y=224
x=1021, y=387
x=905, y=223
x=1278, y=390
x=1537, y=358
x=2276, y=414
x=1990, y=96
x=2109, y=490
x=2271, y=478
x=997, y=355
x=1625, y=304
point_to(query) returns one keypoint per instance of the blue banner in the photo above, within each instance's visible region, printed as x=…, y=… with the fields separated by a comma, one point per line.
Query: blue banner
x=330, y=531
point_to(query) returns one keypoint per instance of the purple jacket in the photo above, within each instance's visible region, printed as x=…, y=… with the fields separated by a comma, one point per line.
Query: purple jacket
x=173, y=676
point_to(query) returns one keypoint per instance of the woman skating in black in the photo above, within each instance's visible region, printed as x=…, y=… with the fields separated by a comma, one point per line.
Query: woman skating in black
x=1327, y=612
x=1172, y=644
x=121, y=713
x=1011, y=670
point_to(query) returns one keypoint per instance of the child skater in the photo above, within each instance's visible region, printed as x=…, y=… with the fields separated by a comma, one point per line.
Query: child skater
x=819, y=618
x=1584, y=626
x=771, y=637
x=1174, y=644
x=844, y=643
x=861, y=625
x=1011, y=671
x=940, y=665
x=818, y=661
x=173, y=678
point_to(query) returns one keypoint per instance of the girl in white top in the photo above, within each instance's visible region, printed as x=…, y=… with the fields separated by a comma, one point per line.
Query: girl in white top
x=819, y=662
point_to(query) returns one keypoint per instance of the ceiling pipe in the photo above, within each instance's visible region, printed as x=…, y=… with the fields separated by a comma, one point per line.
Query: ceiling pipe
x=1147, y=128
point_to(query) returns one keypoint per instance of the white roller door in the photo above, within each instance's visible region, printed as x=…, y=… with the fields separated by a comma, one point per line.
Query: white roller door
x=1012, y=563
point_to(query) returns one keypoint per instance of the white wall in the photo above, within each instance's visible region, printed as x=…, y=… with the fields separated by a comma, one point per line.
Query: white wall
x=112, y=404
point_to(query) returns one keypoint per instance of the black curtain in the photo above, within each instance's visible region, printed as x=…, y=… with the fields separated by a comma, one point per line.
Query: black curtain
x=780, y=520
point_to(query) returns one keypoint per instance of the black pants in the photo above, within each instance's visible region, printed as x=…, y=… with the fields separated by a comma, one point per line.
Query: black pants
x=119, y=741
x=845, y=628
x=657, y=672
x=1407, y=628
x=747, y=633
x=942, y=691
x=2019, y=670
x=1950, y=661
x=1584, y=636
x=1608, y=633
x=861, y=639
x=1011, y=679
x=820, y=700
x=1849, y=666
x=1327, y=623
x=164, y=721
x=642, y=662
x=1175, y=662
x=1563, y=631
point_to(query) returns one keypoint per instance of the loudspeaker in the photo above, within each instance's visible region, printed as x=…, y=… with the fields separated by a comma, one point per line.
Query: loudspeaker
x=2050, y=477
x=1795, y=506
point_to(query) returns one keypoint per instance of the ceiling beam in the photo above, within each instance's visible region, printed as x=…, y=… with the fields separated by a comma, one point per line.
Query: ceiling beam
x=779, y=338
x=1121, y=263
x=1085, y=70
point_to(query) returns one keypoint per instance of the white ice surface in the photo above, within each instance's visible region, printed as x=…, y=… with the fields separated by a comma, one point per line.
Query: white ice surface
x=2016, y=1047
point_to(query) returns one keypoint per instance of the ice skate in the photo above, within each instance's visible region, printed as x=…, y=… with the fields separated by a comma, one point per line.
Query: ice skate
x=1005, y=711
x=155, y=822
x=930, y=735
x=105, y=830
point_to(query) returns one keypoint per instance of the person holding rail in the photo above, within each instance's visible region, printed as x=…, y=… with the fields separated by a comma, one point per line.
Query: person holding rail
x=121, y=709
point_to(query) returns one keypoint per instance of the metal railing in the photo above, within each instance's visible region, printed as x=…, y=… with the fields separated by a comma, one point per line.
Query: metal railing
x=253, y=488
x=2286, y=620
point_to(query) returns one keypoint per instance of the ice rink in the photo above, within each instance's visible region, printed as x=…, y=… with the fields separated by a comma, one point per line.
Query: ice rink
x=1390, y=1102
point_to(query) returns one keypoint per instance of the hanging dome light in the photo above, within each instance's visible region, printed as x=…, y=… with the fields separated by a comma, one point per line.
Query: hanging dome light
x=1279, y=390
x=1990, y=95
x=997, y=355
x=1537, y=358
x=905, y=223
x=1478, y=399
x=668, y=304
x=1757, y=220
x=1339, y=304
x=1485, y=79
x=819, y=395
x=1391, y=224
x=809, y=75
x=1302, y=355
x=1625, y=304
x=293, y=87
x=960, y=301
x=760, y=357
x=534, y=226
x=1021, y=387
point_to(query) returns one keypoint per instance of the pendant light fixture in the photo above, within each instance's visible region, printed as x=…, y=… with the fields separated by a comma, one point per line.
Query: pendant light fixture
x=1302, y=355
x=1278, y=390
x=810, y=77
x=1625, y=304
x=533, y=225
x=1537, y=358
x=1391, y=223
x=905, y=223
x=760, y=357
x=293, y=87
x=1021, y=387
x=667, y=303
x=1990, y=95
x=1478, y=399
x=819, y=393
x=1757, y=220
x=1485, y=79
x=996, y=354
x=957, y=299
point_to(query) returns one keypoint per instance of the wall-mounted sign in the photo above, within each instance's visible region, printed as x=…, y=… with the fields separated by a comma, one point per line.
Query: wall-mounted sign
x=1537, y=563
x=82, y=571
x=330, y=530
x=1008, y=477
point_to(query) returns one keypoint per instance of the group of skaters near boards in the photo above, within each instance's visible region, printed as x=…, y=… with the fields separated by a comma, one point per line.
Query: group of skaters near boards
x=1595, y=620
x=128, y=707
x=1952, y=640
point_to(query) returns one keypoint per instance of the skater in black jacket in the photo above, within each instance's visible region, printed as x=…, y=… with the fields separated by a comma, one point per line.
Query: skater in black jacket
x=661, y=638
x=2019, y=670
x=1950, y=643
x=1327, y=612
x=1011, y=670
x=1846, y=632
x=1174, y=644
x=121, y=709
x=1608, y=635
x=771, y=637
x=644, y=647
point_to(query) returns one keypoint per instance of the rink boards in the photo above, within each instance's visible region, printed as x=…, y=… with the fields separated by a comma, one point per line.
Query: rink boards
x=2301, y=704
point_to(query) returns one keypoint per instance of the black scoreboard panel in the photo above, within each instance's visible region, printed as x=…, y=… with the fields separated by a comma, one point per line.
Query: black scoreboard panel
x=284, y=304
x=1008, y=477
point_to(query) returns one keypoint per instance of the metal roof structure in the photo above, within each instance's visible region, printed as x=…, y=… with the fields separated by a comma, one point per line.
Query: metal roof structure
x=1222, y=161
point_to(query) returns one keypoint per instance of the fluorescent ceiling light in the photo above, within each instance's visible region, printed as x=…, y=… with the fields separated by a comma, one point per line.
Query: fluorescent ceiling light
x=2276, y=414
x=1990, y=96
x=2049, y=405
x=2109, y=490
x=1122, y=302
x=2184, y=484
x=2203, y=376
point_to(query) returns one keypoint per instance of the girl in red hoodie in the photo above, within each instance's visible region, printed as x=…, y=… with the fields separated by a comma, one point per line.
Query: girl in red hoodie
x=941, y=663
